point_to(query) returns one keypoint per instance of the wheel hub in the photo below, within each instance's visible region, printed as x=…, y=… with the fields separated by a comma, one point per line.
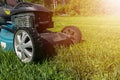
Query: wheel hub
x=23, y=46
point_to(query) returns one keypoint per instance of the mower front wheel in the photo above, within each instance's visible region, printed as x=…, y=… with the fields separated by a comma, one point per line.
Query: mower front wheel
x=26, y=45
x=74, y=33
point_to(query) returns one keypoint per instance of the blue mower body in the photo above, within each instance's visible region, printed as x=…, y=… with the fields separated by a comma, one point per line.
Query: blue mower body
x=6, y=38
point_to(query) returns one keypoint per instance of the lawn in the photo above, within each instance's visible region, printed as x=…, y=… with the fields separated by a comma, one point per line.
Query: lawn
x=97, y=57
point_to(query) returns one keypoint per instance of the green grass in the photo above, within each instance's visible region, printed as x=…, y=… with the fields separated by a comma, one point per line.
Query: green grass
x=96, y=58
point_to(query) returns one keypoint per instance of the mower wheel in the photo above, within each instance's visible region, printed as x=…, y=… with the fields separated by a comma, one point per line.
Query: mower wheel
x=74, y=32
x=26, y=45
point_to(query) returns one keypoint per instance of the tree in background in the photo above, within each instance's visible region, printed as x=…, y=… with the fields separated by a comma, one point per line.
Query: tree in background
x=78, y=7
x=74, y=7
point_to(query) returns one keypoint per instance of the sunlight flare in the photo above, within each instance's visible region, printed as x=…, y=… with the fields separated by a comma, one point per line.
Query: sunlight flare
x=112, y=6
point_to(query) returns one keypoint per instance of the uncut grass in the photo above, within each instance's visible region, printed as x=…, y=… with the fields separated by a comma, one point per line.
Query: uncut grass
x=97, y=57
x=12, y=69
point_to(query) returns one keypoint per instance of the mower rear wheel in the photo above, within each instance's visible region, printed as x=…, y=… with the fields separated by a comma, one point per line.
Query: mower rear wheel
x=26, y=45
x=74, y=32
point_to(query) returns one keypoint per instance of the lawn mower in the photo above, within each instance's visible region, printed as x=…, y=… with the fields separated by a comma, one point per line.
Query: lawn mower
x=24, y=30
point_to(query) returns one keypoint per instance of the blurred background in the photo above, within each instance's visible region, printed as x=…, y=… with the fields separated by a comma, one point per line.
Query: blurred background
x=81, y=7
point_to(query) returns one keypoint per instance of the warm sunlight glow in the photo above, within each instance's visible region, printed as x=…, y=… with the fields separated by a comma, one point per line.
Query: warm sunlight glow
x=112, y=6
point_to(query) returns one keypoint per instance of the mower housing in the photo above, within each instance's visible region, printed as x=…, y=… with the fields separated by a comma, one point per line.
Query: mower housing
x=32, y=15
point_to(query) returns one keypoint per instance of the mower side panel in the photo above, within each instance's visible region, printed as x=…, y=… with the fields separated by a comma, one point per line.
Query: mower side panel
x=6, y=39
x=50, y=40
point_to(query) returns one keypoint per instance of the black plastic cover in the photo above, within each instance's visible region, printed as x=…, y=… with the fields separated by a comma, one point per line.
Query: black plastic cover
x=29, y=7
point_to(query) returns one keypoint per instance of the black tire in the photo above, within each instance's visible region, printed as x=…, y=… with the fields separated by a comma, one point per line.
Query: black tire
x=74, y=32
x=28, y=50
